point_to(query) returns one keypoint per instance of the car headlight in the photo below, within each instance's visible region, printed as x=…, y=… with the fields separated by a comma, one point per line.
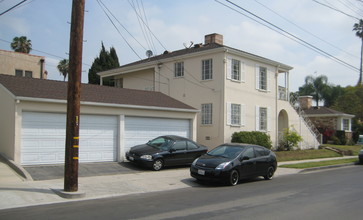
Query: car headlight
x=195, y=162
x=223, y=166
x=146, y=157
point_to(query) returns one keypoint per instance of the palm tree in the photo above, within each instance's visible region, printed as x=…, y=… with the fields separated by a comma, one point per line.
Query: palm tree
x=63, y=68
x=358, y=28
x=21, y=44
x=316, y=87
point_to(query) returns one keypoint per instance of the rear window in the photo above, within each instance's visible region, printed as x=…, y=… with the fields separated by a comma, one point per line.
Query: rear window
x=261, y=152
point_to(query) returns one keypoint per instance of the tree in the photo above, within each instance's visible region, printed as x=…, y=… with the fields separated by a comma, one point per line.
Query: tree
x=105, y=61
x=358, y=28
x=317, y=87
x=21, y=44
x=63, y=68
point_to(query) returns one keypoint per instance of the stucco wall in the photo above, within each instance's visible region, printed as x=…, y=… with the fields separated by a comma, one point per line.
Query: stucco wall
x=7, y=123
x=9, y=61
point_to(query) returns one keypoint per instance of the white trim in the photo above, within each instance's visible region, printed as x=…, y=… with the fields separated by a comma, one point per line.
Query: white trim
x=229, y=113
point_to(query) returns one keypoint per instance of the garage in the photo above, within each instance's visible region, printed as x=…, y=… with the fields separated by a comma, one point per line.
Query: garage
x=111, y=120
x=43, y=138
x=139, y=130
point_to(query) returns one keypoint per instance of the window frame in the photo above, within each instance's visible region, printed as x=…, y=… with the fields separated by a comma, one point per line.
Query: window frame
x=235, y=114
x=207, y=69
x=207, y=114
x=18, y=71
x=179, y=69
x=262, y=78
x=235, y=70
x=344, y=126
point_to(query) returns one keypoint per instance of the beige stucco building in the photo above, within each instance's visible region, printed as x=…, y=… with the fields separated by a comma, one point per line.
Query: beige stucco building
x=233, y=89
x=22, y=64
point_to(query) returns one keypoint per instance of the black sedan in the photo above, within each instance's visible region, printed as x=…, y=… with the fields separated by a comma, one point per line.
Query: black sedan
x=163, y=151
x=232, y=162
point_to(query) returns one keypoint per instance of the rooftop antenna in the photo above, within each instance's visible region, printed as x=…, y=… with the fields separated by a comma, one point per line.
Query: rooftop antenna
x=149, y=53
x=191, y=44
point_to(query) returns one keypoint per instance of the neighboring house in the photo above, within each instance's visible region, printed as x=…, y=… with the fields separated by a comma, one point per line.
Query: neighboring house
x=234, y=90
x=327, y=119
x=33, y=120
x=22, y=64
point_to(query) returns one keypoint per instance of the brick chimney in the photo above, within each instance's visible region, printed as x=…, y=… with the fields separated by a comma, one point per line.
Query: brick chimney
x=213, y=38
x=306, y=102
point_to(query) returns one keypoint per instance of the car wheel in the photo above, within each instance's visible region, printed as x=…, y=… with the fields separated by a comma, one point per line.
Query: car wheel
x=269, y=174
x=158, y=164
x=233, y=178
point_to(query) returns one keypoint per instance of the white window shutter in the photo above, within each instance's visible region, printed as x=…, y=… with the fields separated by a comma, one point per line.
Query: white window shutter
x=229, y=68
x=257, y=118
x=229, y=113
x=268, y=118
x=257, y=77
x=242, y=71
x=269, y=80
x=243, y=114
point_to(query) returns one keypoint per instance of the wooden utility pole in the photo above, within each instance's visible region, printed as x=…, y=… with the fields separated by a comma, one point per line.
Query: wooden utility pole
x=73, y=97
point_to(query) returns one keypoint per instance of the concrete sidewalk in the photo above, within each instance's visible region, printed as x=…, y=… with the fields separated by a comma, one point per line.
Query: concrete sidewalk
x=15, y=191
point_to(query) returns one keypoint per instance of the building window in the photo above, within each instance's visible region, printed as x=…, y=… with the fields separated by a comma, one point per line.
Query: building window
x=18, y=72
x=119, y=83
x=346, y=125
x=179, y=69
x=207, y=69
x=207, y=114
x=262, y=119
x=263, y=78
x=236, y=66
x=28, y=74
x=235, y=114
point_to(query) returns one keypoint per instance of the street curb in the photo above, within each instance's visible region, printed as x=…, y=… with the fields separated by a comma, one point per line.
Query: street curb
x=327, y=167
x=18, y=169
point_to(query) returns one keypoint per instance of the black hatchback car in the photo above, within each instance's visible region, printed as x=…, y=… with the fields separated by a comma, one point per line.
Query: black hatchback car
x=163, y=151
x=232, y=162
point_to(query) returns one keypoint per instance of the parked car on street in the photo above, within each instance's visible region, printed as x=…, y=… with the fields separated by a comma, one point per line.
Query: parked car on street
x=360, y=140
x=360, y=156
x=232, y=162
x=164, y=151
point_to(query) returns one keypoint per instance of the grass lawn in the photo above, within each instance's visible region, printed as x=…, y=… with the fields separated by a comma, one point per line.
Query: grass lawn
x=320, y=163
x=314, y=154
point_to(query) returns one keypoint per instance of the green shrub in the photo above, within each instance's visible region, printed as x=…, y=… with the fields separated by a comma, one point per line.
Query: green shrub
x=341, y=136
x=252, y=137
x=290, y=140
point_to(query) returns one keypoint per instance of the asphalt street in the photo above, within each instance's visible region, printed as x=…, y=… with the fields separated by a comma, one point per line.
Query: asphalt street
x=324, y=194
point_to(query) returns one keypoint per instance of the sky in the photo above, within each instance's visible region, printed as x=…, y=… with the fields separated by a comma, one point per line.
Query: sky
x=160, y=25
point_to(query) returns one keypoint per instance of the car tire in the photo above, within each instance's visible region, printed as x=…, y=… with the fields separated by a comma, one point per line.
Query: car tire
x=158, y=164
x=233, y=178
x=269, y=173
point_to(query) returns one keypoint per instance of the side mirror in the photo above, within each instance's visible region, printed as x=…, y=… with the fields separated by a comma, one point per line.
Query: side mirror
x=172, y=150
x=245, y=158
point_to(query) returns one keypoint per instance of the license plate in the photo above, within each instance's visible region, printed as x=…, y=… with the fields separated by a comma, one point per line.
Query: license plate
x=201, y=172
x=131, y=158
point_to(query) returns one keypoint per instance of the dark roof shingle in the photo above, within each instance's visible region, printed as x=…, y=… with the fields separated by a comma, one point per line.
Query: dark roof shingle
x=50, y=89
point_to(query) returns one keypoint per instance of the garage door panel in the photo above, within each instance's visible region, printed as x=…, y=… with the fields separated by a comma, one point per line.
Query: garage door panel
x=43, y=138
x=139, y=130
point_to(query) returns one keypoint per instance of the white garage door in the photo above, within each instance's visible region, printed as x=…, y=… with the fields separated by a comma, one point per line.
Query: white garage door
x=139, y=130
x=43, y=138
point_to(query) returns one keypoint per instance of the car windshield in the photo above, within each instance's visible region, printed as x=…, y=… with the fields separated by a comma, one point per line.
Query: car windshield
x=226, y=151
x=160, y=143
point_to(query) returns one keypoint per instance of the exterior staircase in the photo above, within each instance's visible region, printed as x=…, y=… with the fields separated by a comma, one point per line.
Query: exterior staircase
x=303, y=126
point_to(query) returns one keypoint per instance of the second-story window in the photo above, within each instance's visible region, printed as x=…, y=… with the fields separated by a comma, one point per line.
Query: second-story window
x=179, y=69
x=207, y=69
x=236, y=67
x=262, y=78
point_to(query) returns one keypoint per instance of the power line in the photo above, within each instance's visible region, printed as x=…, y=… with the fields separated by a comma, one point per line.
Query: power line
x=306, y=31
x=335, y=9
x=287, y=34
x=100, y=2
x=11, y=8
